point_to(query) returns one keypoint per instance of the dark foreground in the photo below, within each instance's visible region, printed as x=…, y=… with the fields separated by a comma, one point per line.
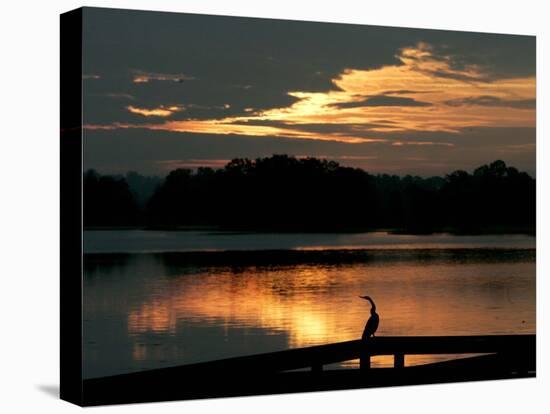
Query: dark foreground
x=510, y=356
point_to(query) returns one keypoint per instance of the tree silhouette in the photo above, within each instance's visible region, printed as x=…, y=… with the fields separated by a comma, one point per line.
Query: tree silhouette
x=284, y=193
x=107, y=201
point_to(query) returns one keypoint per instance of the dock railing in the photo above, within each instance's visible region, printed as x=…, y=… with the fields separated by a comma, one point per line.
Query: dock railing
x=316, y=357
x=511, y=356
x=505, y=345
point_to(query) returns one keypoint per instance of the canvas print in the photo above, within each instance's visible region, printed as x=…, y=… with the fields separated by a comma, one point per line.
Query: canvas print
x=273, y=206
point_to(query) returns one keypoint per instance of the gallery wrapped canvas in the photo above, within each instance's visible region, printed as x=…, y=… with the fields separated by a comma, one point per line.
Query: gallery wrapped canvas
x=257, y=206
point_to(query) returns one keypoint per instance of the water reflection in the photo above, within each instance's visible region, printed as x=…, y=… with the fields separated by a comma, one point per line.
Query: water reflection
x=150, y=311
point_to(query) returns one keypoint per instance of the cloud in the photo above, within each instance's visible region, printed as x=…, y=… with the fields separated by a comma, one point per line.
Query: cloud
x=120, y=96
x=405, y=92
x=228, y=128
x=382, y=100
x=401, y=143
x=115, y=95
x=358, y=111
x=311, y=86
x=145, y=77
x=161, y=111
x=488, y=100
x=268, y=57
x=323, y=128
x=497, y=56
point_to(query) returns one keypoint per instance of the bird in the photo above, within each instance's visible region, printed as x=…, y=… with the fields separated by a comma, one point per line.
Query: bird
x=372, y=323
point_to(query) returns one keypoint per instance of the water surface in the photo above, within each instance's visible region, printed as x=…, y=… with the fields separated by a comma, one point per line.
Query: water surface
x=146, y=241
x=144, y=311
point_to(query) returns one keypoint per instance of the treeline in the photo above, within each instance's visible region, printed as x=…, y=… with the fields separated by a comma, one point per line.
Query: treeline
x=283, y=193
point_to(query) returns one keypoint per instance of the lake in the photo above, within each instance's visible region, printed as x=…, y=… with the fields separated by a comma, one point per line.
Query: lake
x=159, y=299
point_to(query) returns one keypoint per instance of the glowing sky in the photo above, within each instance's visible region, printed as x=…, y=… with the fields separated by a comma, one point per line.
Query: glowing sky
x=383, y=99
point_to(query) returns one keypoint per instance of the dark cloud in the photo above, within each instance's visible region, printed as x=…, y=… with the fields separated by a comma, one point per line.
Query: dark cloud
x=499, y=56
x=321, y=128
x=458, y=76
x=115, y=95
x=487, y=100
x=382, y=100
x=248, y=63
x=217, y=67
x=405, y=92
x=140, y=76
x=254, y=63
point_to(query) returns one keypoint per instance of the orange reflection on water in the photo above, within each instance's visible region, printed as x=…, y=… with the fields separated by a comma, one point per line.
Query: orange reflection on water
x=155, y=316
x=314, y=304
x=249, y=301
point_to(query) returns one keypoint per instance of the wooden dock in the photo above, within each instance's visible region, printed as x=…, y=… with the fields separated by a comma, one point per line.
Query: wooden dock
x=509, y=356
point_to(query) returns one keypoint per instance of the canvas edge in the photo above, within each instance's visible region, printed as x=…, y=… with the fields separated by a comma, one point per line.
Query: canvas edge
x=71, y=206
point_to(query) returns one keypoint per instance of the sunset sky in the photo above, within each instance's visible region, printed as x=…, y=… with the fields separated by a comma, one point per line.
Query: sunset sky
x=164, y=90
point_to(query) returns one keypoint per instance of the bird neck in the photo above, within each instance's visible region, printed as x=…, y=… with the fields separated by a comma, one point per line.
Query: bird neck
x=373, y=308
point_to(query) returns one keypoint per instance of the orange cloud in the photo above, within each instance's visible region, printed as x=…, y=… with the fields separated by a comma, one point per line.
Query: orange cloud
x=219, y=127
x=420, y=74
x=162, y=111
x=422, y=93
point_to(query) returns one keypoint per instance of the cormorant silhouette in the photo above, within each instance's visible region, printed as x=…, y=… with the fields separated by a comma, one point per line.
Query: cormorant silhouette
x=372, y=323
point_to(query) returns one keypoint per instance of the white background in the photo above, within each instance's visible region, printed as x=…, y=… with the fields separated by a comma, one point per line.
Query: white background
x=29, y=206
